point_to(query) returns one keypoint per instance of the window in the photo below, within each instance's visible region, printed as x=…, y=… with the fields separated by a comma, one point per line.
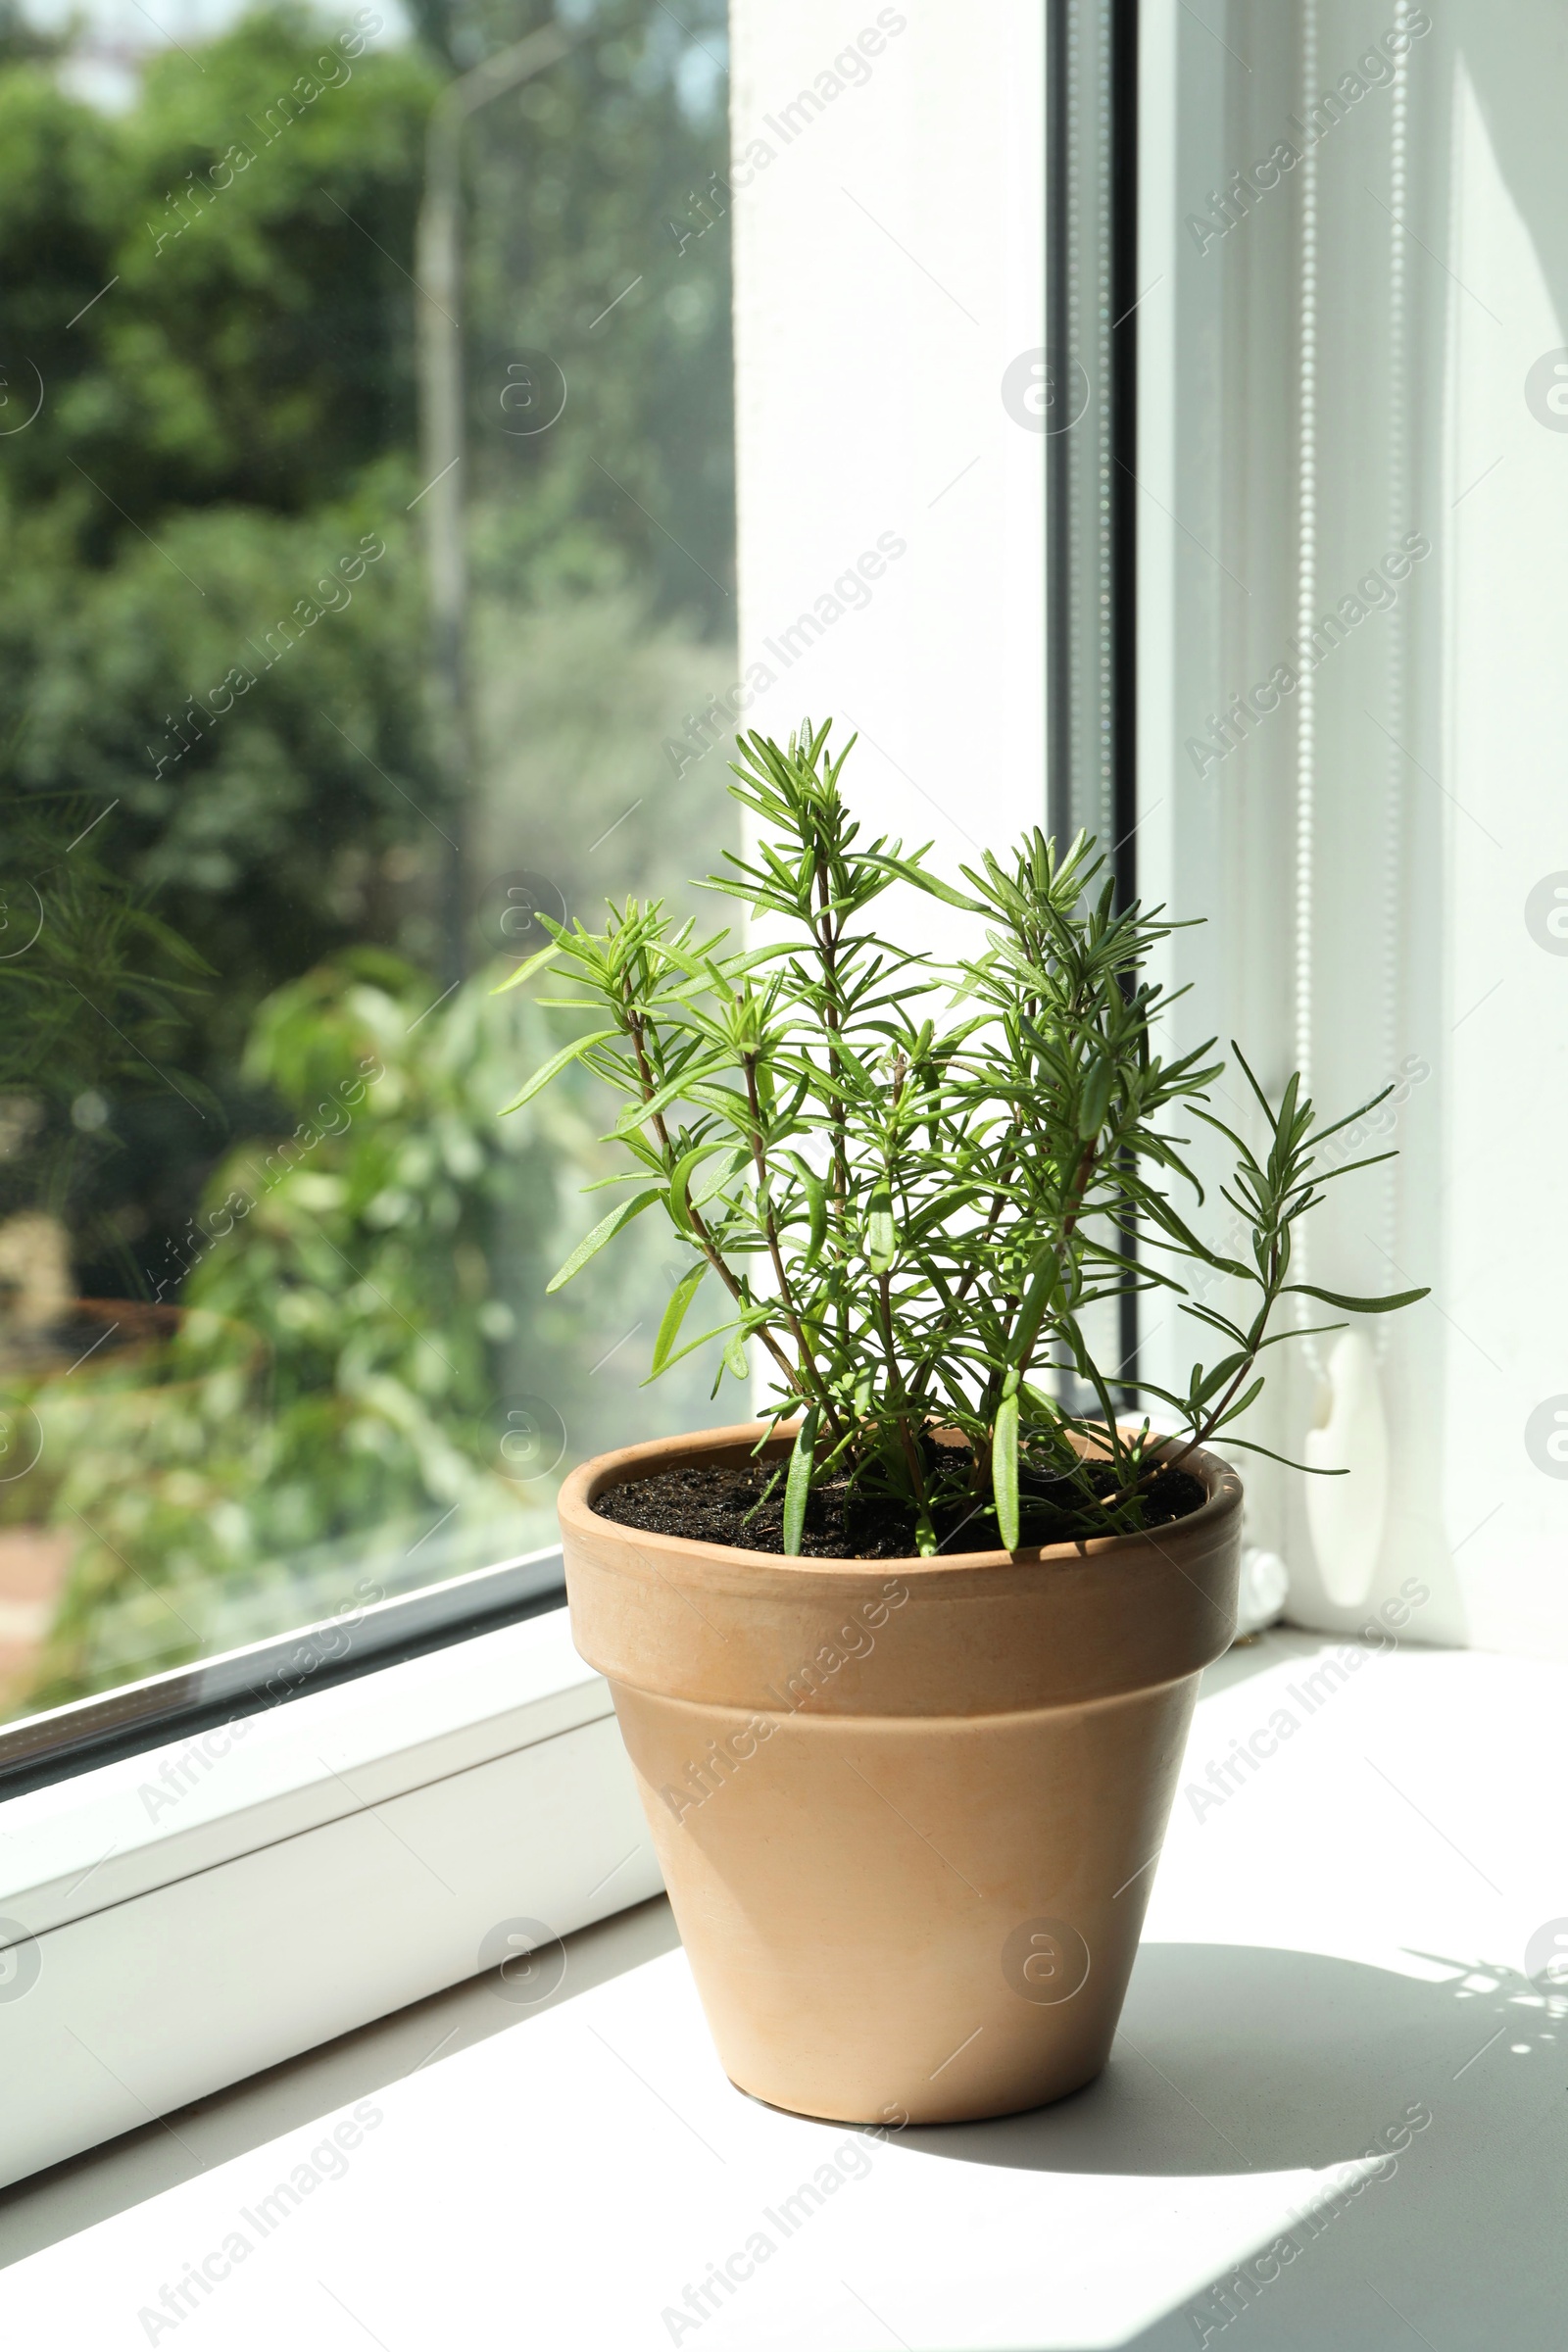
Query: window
x=368, y=498
x=1082, y=370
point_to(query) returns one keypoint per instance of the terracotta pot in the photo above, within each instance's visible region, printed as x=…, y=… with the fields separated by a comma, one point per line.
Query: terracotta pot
x=906, y=1810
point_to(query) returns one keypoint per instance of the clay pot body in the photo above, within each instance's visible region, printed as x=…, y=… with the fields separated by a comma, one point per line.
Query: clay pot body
x=908, y=1811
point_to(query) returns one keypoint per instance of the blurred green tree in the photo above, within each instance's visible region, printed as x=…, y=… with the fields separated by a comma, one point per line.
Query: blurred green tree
x=213, y=652
x=224, y=350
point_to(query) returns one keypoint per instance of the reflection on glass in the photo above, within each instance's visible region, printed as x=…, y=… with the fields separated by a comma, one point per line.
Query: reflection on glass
x=274, y=1337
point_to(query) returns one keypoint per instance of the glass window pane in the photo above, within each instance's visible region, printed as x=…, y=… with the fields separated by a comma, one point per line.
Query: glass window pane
x=366, y=483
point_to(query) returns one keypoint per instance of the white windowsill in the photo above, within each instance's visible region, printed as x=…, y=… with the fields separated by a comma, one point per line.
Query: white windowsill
x=1326, y=1949
x=141, y=2163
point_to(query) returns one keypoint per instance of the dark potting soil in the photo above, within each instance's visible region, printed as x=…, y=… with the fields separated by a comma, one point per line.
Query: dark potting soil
x=710, y=1504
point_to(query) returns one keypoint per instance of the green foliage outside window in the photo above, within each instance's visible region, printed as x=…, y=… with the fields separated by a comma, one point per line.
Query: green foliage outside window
x=214, y=652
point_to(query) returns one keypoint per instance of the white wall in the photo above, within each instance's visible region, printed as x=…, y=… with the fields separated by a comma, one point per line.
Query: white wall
x=1505, y=821
x=889, y=258
x=1435, y=762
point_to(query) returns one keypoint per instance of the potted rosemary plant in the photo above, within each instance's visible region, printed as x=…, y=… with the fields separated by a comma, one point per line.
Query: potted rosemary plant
x=904, y=1666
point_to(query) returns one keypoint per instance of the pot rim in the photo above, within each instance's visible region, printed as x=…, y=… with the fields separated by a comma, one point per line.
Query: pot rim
x=591, y=1479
